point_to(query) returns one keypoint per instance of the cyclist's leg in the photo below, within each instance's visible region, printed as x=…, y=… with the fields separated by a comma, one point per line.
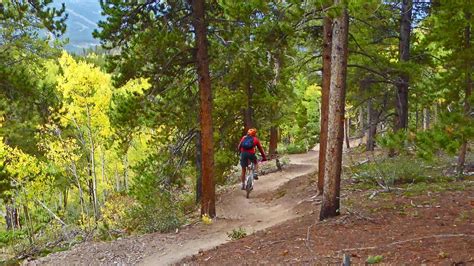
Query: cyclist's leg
x=243, y=164
x=253, y=158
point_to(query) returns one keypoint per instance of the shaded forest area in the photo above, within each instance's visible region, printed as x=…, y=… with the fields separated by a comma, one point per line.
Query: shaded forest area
x=134, y=136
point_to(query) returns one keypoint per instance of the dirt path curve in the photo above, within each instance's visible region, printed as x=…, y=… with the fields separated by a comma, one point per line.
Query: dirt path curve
x=261, y=211
x=234, y=211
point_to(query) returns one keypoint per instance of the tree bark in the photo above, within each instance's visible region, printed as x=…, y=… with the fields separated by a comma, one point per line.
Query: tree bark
x=11, y=217
x=361, y=122
x=372, y=121
x=92, y=167
x=104, y=175
x=401, y=118
x=79, y=187
x=273, y=142
x=205, y=96
x=248, y=111
x=426, y=119
x=467, y=96
x=198, y=167
x=347, y=123
x=273, y=145
x=327, y=47
x=333, y=164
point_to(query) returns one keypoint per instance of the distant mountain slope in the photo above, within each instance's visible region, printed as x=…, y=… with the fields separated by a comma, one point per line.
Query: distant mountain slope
x=83, y=18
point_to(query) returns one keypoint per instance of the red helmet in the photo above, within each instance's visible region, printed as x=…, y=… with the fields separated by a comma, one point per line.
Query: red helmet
x=252, y=132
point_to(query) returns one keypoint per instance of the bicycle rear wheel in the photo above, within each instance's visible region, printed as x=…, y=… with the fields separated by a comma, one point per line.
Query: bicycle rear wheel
x=249, y=183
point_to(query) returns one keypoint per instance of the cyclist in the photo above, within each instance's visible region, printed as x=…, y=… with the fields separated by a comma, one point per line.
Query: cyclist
x=247, y=153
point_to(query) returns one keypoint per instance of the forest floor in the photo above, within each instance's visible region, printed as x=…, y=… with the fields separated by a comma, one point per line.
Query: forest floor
x=282, y=227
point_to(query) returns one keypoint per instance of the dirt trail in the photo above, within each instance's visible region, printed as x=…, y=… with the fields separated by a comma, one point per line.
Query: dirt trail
x=233, y=211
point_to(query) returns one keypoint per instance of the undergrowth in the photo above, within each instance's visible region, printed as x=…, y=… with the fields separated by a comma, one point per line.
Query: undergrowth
x=412, y=174
x=237, y=233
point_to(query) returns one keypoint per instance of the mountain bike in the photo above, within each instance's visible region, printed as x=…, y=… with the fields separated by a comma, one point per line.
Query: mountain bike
x=249, y=177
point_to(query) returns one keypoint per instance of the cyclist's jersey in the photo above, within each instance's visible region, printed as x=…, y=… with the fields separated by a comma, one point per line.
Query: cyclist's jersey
x=256, y=143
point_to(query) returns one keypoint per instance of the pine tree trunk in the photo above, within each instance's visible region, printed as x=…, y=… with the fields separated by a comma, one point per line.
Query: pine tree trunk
x=198, y=167
x=327, y=46
x=65, y=200
x=248, y=111
x=467, y=96
x=370, y=146
x=205, y=95
x=274, y=128
x=426, y=118
x=347, y=123
x=401, y=119
x=273, y=142
x=333, y=164
x=361, y=123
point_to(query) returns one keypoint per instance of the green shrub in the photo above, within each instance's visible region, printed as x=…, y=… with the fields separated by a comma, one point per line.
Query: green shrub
x=293, y=148
x=374, y=259
x=397, y=170
x=156, y=190
x=9, y=237
x=237, y=233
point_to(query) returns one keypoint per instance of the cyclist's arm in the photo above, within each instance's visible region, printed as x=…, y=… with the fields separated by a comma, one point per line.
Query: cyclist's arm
x=238, y=146
x=260, y=149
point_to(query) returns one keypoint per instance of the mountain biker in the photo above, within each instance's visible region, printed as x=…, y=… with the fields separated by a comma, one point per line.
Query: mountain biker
x=247, y=153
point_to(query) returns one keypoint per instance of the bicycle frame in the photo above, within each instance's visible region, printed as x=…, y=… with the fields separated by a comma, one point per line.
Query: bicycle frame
x=249, y=178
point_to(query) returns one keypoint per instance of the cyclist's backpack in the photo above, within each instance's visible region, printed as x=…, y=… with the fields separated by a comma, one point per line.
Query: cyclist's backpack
x=247, y=143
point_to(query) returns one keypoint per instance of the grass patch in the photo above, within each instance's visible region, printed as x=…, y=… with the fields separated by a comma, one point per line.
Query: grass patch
x=423, y=187
x=374, y=259
x=414, y=175
x=237, y=233
x=293, y=148
x=280, y=193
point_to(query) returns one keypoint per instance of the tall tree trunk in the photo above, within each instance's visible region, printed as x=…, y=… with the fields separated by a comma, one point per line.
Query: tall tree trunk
x=104, y=175
x=361, y=122
x=248, y=111
x=347, y=124
x=11, y=217
x=273, y=142
x=202, y=64
x=372, y=130
x=198, y=167
x=401, y=119
x=467, y=96
x=273, y=145
x=65, y=201
x=117, y=179
x=333, y=164
x=29, y=224
x=327, y=47
x=426, y=119
x=92, y=167
x=79, y=187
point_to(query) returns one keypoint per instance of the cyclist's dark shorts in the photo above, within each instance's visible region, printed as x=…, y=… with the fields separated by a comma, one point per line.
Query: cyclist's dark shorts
x=245, y=157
